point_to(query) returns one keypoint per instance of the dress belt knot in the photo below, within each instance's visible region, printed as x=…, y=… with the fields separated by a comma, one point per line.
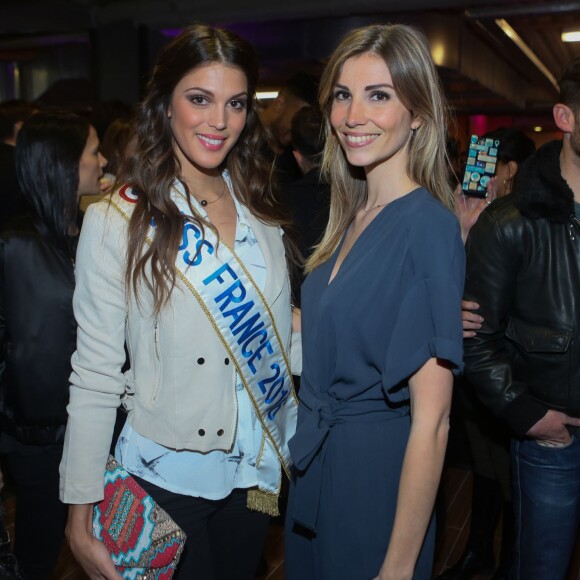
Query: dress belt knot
x=326, y=416
x=315, y=421
x=316, y=418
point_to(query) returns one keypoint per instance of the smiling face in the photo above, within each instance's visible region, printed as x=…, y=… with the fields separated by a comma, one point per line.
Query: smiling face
x=371, y=123
x=207, y=114
x=91, y=166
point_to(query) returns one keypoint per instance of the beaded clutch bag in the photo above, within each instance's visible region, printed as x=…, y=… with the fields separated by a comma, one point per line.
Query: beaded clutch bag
x=144, y=542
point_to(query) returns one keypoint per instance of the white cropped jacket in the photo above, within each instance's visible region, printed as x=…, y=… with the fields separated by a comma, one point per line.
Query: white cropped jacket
x=180, y=391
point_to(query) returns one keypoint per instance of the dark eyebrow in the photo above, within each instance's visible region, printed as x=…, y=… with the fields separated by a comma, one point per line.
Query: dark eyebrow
x=380, y=86
x=210, y=93
x=369, y=87
x=200, y=89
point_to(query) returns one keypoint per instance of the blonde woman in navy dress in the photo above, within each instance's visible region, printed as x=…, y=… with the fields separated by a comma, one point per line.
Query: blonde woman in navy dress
x=381, y=320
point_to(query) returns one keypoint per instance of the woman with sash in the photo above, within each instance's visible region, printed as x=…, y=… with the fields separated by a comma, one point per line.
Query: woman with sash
x=57, y=161
x=186, y=265
x=381, y=320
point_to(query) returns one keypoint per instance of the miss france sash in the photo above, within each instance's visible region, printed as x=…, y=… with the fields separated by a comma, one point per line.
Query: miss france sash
x=241, y=318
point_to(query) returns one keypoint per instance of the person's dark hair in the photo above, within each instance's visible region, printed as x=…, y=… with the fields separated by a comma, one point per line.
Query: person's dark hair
x=303, y=86
x=513, y=145
x=452, y=147
x=453, y=151
x=570, y=85
x=115, y=141
x=48, y=151
x=308, y=133
x=154, y=167
x=105, y=112
x=12, y=112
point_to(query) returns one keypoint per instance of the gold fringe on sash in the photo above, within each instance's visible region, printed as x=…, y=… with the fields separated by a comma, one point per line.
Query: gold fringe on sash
x=263, y=501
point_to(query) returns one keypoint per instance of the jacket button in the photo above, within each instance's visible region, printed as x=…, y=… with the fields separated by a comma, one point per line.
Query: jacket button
x=220, y=432
x=200, y=360
x=201, y=432
x=226, y=361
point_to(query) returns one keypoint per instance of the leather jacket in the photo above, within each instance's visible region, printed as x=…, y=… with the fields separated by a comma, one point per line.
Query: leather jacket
x=523, y=268
x=37, y=332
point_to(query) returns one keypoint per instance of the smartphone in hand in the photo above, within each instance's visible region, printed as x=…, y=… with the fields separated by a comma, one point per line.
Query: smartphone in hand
x=480, y=168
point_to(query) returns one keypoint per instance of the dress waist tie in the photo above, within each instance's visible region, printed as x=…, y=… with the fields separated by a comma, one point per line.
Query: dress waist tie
x=316, y=418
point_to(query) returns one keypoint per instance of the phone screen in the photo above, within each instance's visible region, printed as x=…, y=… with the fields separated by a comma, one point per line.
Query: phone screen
x=480, y=168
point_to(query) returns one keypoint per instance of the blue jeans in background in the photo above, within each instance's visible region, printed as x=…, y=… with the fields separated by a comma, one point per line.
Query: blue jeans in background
x=546, y=498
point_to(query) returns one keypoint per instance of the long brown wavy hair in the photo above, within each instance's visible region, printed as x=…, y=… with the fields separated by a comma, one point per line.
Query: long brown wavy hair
x=406, y=52
x=154, y=167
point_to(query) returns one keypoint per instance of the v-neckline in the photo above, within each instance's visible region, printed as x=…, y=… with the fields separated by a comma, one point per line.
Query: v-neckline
x=332, y=278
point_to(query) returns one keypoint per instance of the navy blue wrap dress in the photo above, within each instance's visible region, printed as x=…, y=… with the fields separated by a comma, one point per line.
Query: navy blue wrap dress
x=393, y=305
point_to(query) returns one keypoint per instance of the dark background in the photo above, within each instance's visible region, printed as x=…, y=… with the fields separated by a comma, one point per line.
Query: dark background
x=86, y=51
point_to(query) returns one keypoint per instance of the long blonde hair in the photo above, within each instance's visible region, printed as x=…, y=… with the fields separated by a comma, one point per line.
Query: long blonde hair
x=406, y=53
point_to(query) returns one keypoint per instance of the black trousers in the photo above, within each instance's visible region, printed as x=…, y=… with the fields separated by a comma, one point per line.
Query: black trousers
x=224, y=538
x=40, y=516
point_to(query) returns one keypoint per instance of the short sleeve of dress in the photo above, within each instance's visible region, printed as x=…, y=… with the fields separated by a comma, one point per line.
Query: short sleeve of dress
x=428, y=322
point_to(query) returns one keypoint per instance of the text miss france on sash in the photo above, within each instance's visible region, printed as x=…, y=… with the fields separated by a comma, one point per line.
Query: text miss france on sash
x=175, y=401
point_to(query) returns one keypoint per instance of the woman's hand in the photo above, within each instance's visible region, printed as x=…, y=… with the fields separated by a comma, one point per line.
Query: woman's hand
x=296, y=319
x=492, y=189
x=107, y=183
x=89, y=552
x=469, y=208
x=471, y=321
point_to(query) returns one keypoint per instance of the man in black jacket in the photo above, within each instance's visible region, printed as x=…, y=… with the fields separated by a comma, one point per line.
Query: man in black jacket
x=523, y=268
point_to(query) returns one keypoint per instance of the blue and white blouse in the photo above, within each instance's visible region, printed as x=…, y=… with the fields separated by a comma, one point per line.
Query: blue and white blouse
x=216, y=474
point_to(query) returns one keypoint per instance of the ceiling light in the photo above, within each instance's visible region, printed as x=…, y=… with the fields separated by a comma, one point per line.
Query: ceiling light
x=438, y=53
x=532, y=56
x=267, y=94
x=571, y=35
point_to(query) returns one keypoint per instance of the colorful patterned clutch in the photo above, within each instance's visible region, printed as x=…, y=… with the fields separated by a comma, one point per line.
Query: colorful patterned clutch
x=144, y=542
